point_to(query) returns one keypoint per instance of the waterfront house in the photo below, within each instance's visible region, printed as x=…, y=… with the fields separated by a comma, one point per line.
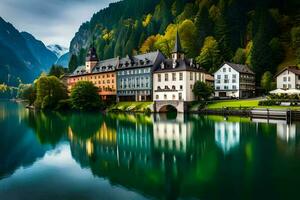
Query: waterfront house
x=101, y=73
x=174, y=79
x=288, y=78
x=234, y=81
x=134, y=76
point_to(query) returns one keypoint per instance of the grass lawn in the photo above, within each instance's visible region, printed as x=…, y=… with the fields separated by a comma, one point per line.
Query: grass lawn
x=253, y=103
x=131, y=106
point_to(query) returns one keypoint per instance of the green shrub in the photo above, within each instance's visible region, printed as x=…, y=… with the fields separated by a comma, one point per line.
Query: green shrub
x=267, y=103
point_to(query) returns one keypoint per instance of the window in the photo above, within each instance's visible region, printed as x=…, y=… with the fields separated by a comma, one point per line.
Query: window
x=290, y=86
x=226, y=76
x=233, y=81
x=225, y=87
x=165, y=97
x=181, y=87
x=173, y=76
x=173, y=87
x=229, y=69
x=218, y=81
x=180, y=96
x=234, y=76
x=219, y=76
x=191, y=86
x=159, y=77
x=289, y=78
x=157, y=97
x=284, y=79
x=234, y=87
x=180, y=76
x=218, y=87
x=224, y=69
x=191, y=76
x=174, y=97
x=166, y=77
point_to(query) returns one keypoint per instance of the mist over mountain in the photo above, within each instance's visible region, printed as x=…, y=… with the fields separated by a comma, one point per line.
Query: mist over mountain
x=23, y=57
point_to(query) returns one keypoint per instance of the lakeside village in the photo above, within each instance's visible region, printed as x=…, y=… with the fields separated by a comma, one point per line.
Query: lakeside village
x=152, y=83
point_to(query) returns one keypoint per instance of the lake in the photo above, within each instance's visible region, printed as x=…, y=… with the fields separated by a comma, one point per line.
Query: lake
x=82, y=156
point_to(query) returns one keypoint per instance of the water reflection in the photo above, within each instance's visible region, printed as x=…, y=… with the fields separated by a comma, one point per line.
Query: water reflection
x=154, y=156
x=227, y=135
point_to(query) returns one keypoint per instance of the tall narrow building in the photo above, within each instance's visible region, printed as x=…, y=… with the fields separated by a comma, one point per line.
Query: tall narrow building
x=174, y=79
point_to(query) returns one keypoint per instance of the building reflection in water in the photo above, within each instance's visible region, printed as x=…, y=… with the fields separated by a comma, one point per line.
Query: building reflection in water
x=227, y=135
x=286, y=132
x=172, y=136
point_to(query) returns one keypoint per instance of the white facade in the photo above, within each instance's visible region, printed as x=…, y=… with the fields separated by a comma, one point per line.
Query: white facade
x=288, y=80
x=227, y=80
x=175, y=86
x=233, y=84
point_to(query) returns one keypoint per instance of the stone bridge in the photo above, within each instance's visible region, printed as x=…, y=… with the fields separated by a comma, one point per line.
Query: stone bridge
x=161, y=106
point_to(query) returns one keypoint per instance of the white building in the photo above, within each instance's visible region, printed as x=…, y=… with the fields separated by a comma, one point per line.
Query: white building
x=234, y=81
x=288, y=78
x=174, y=80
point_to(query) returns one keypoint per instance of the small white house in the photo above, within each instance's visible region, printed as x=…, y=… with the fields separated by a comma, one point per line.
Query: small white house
x=234, y=81
x=288, y=78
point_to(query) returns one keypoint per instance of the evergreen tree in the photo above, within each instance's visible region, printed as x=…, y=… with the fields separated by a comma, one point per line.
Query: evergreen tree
x=261, y=56
x=203, y=25
x=73, y=64
x=222, y=31
x=209, y=57
x=240, y=56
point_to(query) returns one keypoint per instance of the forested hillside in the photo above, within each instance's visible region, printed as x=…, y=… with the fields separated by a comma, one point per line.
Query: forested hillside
x=265, y=34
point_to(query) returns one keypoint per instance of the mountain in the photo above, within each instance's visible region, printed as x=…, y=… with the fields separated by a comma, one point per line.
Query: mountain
x=263, y=34
x=58, y=50
x=23, y=57
x=44, y=56
x=17, y=61
x=63, y=60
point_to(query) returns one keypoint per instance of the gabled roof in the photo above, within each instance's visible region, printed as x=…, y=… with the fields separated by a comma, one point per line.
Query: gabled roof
x=181, y=65
x=293, y=69
x=240, y=68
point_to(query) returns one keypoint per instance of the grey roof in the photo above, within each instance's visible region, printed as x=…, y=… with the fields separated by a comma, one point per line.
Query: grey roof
x=106, y=65
x=240, y=68
x=142, y=60
x=177, y=47
x=181, y=65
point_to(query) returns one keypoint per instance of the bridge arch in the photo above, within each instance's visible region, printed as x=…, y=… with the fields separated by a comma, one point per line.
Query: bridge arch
x=166, y=106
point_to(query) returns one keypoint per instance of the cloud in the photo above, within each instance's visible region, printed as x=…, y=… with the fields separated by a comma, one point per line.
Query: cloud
x=52, y=21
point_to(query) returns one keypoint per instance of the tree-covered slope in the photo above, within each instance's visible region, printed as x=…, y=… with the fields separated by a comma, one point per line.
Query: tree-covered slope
x=263, y=34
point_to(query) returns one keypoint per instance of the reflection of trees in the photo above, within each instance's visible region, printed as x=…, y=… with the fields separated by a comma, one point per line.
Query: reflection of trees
x=48, y=126
x=18, y=146
x=85, y=125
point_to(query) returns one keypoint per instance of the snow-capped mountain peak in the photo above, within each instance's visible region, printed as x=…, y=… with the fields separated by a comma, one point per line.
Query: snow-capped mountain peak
x=58, y=50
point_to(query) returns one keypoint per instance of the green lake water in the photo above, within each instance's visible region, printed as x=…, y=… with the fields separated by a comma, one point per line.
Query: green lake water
x=78, y=156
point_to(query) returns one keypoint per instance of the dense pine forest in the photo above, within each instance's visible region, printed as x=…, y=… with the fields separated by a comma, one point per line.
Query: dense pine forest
x=265, y=34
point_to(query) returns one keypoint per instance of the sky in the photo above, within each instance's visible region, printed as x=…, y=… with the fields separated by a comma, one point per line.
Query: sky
x=51, y=21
